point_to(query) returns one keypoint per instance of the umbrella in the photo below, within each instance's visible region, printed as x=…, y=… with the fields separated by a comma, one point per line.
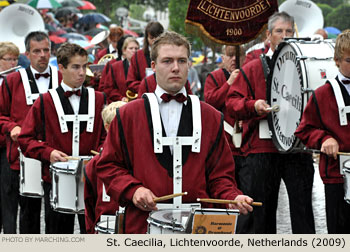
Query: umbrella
x=94, y=31
x=4, y=3
x=87, y=6
x=94, y=18
x=132, y=33
x=57, y=40
x=65, y=11
x=72, y=3
x=332, y=32
x=44, y=4
x=74, y=35
x=82, y=43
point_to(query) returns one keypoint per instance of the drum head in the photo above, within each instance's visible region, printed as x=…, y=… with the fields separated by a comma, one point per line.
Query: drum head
x=106, y=227
x=69, y=166
x=170, y=217
x=284, y=88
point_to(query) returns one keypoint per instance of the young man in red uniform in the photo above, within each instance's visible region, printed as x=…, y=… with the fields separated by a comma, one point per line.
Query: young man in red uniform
x=131, y=170
x=322, y=128
x=264, y=166
x=47, y=133
x=18, y=92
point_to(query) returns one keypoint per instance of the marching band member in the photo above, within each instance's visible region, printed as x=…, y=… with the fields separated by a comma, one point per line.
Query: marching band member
x=322, y=128
x=48, y=133
x=115, y=34
x=9, y=53
x=141, y=61
x=95, y=203
x=264, y=166
x=216, y=88
x=18, y=92
x=115, y=84
x=129, y=167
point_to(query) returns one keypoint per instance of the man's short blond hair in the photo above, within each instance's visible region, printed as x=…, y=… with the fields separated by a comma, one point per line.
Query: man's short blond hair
x=109, y=112
x=169, y=38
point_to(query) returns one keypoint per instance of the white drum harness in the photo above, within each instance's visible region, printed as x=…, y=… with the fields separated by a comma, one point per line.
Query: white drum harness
x=30, y=98
x=76, y=119
x=176, y=142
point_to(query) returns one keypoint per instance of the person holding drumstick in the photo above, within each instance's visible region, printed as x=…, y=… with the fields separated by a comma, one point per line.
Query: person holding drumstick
x=135, y=175
x=17, y=93
x=322, y=128
x=46, y=137
x=264, y=166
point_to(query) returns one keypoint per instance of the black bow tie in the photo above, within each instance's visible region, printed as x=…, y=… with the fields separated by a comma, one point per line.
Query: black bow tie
x=346, y=81
x=168, y=97
x=45, y=75
x=70, y=93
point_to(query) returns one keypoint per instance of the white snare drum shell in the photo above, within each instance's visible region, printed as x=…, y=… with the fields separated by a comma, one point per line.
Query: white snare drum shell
x=168, y=221
x=67, y=193
x=31, y=184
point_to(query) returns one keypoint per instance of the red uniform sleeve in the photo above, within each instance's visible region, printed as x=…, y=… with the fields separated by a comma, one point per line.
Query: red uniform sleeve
x=111, y=85
x=221, y=168
x=239, y=101
x=6, y=124
x=30, y=138
x=134, y=76
x=112, y=169
x=215, y=95
x=310, y=130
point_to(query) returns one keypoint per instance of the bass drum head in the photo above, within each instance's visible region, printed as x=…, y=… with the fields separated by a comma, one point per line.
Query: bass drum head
x=284, y=88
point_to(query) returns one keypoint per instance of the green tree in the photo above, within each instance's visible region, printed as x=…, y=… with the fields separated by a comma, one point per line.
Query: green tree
x=339, y=17
x=326, y=10
x=177, y=16
x=136, y=11
x=332, y=3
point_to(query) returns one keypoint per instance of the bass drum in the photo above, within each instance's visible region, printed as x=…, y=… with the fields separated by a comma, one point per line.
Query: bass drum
x=298, y=68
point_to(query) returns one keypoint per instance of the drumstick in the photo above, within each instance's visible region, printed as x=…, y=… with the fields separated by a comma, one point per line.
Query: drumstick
x=343, y=153
x=94, y=152
x=170, y=196
x=274, y=108
x=219, y=201
x=72, y=158
x=319, y=152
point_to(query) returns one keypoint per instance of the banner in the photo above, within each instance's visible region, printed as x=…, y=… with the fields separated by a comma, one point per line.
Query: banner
x=228, y=22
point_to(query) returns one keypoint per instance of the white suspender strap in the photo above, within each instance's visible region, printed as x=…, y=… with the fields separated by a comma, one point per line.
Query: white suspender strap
x=91, y=111
x=54, y=77
x=157, y=125
x=197, y=123
x=28, y=93
x=343, y=110
x=59, y=110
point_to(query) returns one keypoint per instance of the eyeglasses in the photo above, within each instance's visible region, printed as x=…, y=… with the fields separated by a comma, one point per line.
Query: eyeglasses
x=9, y=59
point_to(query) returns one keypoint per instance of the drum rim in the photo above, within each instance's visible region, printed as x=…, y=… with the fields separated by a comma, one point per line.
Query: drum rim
x=268, y=97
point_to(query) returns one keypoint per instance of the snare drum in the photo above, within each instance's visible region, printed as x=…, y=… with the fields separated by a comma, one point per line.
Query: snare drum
x=106, y=226
x=346, y=175
x=31, y=183
x=297, y=68
x=168, y=221
x=67, y=194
